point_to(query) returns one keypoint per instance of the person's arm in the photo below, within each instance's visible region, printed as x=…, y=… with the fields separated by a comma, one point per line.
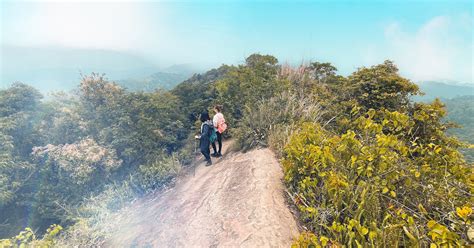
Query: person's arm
x=215, y=120
x=198, y=136
x=205, y=132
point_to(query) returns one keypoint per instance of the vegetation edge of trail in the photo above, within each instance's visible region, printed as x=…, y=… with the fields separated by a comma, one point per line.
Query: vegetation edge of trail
x=365, y=165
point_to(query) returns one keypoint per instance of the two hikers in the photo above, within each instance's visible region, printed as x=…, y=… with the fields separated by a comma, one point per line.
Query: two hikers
x=211, y=131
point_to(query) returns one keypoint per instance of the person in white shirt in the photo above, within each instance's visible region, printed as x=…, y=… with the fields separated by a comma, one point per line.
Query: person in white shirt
x=219, y=124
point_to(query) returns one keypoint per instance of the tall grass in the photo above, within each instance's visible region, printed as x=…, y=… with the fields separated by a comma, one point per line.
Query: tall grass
x=270, y=122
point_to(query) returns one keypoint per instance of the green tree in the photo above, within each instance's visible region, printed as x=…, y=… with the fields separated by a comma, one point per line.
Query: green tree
x=61, y=120
x=73, y=171
x=137, y=125
x=198, y=93
x=322, y=72
x=381, y=86
x=243, y=87
x=79, y=142
x=18, y=113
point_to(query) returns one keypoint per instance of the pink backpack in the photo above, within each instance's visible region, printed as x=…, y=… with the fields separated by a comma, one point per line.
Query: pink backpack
x=221, y=125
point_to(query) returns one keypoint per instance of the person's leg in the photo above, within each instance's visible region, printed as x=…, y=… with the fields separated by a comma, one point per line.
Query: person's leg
x=204, y=146
x=208, y=156
x=219, y=140
x=214, y=146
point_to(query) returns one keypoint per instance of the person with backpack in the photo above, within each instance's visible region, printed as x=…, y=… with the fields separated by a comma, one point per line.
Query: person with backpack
x=219, y=124
x=207, y=133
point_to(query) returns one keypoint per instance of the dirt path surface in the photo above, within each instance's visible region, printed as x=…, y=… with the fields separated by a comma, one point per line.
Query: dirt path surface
x=237, y=202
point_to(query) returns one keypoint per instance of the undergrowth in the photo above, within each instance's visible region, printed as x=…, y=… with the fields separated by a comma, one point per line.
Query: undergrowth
x=274, y=119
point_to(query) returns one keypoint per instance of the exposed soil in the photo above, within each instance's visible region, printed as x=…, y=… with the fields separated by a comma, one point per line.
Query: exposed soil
x=237, y=202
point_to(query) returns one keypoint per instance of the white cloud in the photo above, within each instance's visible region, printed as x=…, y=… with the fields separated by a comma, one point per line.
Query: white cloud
x=117, y=26
x=441, y=49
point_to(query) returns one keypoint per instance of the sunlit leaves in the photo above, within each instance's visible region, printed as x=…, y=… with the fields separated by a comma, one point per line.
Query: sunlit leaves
x=381, y=160
x=381, y=86
x=27, y=238
x=464, y=212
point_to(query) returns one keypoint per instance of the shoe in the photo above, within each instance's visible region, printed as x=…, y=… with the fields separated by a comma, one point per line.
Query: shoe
x=209, y=163
x=215, y=154
x=219, y=155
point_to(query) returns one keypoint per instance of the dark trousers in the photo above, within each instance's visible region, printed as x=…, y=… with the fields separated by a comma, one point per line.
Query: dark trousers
x=219, y=141
x=204, y=146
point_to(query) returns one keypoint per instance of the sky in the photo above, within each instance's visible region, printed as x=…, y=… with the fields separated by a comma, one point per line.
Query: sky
x=428, y=40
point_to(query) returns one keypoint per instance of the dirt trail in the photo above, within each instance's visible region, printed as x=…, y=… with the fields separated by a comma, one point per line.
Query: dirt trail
x=237, y=202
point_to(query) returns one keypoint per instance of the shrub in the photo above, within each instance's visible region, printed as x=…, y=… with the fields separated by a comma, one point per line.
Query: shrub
x=74, y=171
x=158, y=172
x=380, y=185
x=285, y=109
x=307, y=239
x=82, y=162
x=248, y=84
x=94, y=219
x=27, y=238
x=280, y=136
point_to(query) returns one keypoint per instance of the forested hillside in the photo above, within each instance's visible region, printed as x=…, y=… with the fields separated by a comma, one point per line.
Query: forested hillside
x=57, y=153
x=459, y=100
x=461, y=112
x=440, y=90
x=363, y=163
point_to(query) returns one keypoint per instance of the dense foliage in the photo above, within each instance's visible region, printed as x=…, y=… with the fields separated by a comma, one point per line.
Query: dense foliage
x=273, y=119
x=364, y=164
x=198, y=93
x=18, y=106
x=376, y=186
x=76, y=157
x=56, y=154
x=243, y=87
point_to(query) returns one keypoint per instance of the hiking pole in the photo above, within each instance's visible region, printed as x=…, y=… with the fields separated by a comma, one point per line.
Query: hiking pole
x=195, y=152
x=195, y=146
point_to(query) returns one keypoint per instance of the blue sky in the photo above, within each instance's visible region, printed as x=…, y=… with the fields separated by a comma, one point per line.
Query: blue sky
x=429, y=40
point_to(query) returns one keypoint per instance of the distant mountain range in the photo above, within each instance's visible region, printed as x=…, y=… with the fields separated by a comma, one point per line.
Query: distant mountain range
x=442, y=90
x=51, y=69
x=159, y=80
x=459, y=102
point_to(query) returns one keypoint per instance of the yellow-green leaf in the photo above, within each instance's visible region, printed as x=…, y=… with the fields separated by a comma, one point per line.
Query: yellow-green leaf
x=431, y=224
x=324, y=240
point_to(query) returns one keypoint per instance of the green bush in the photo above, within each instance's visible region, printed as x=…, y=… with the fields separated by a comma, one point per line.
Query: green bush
x=246, y=85
x=27, y=238
x=94, y=218
x=272, y=116
x=157, y=173
x=379, y=184
x=280, y=136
